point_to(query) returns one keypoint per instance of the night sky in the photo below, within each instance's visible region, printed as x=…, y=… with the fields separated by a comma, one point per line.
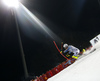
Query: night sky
x=74, y=21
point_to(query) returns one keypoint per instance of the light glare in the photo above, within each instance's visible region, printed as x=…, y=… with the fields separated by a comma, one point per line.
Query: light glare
x=11, y=3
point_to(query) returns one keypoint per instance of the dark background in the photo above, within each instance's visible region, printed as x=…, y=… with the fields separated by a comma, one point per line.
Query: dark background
x=74, y=21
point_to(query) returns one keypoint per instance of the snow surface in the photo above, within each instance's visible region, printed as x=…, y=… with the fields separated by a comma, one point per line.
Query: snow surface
x=86, y=68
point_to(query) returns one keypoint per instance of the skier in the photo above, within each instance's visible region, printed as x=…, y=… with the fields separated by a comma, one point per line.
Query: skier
x=71, y=51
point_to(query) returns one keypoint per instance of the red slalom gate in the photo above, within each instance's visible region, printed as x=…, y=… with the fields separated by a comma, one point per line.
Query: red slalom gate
x=44, y=77
x=49, y=74
x=55, y=70
x=41, y=78
x=37, y=79
x=60, y=67
x=64, y=64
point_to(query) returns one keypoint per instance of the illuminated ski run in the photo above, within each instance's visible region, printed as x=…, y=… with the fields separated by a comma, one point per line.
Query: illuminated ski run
x=86, y=68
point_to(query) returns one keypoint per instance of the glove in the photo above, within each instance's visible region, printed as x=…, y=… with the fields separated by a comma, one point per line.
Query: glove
x=67, y=55
x=60, y=51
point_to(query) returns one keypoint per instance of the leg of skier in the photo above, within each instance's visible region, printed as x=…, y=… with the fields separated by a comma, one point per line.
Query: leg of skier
x=71, y=54
x=76, y=54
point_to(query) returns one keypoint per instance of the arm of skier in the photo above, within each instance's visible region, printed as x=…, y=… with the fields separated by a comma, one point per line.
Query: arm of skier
x=66, y=50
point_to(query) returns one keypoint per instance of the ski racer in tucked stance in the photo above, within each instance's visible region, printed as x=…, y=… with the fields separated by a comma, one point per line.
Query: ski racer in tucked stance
x=71, y=51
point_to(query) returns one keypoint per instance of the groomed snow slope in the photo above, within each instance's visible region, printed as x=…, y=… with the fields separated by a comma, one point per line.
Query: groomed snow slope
x=86, y=68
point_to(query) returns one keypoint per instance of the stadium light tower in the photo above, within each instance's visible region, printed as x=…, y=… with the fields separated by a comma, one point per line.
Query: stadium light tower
x=14, y=4
x=11, y=3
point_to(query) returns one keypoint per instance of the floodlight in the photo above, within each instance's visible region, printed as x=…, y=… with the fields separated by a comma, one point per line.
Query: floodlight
x=11, y=3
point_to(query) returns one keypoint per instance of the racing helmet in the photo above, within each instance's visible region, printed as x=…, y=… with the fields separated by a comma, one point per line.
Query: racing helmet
x=65, y=45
